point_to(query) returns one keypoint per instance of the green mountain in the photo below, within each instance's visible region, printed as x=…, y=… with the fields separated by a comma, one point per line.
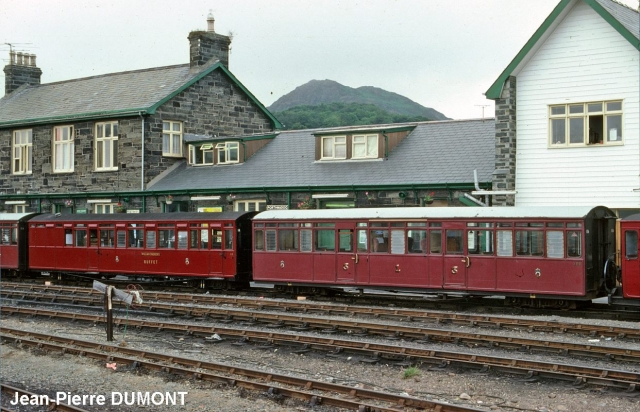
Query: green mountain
x=317, y=92
x=339, y=114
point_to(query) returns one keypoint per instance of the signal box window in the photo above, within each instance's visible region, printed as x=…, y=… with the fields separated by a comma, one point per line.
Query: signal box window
x=250, y=205
x=583, y=124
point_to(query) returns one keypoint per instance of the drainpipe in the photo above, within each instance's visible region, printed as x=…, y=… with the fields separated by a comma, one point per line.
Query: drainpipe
x=386, y=145
x=142, y=165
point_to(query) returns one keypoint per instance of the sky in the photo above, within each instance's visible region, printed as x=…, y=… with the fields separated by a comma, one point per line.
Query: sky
x=443, y=54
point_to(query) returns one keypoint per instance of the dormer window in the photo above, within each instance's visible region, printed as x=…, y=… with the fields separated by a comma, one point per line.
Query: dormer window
x=202, y=155
x=365, y=146
x=228, y=152
x=334, y=147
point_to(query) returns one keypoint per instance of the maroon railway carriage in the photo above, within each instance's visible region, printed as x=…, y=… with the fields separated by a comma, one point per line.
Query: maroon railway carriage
x=553, y=253
x=13, y=244
x=630, y=265
x=211, y=246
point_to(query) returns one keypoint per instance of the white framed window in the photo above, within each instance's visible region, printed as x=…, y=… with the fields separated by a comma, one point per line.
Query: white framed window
x=201, y=155
x=228, y=152
x=104, y=208
x=171, y=138
x=19, y=208
x=22, y=152
x=62, y=149
x=585, y=124
x=106, y=146
x=365, y=146
x=334, y=147
x=250, y=205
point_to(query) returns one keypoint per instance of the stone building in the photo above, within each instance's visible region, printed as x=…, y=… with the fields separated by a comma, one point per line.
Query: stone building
x=93, y=145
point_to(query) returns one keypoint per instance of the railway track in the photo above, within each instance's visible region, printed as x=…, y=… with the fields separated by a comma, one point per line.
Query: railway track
x=81, y=295
x=45, y=401
x=375, y=352
x=312, y=391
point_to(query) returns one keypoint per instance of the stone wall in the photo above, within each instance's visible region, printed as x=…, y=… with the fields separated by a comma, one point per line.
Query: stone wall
x=504, y=178
x=212, y=106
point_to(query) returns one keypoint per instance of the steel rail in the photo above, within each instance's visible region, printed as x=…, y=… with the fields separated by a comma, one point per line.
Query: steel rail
x=189, y=367
x=351, y=326
x=350, y=310
x=51, y=404
x=577, y=374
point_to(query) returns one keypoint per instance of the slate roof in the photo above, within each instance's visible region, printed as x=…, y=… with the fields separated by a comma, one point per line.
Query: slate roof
x=628, y=17
x=442, y=152
x=109, y=95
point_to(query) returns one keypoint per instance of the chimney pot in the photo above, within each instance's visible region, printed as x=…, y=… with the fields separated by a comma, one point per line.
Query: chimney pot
x=210, y=22
x=19, y=55
x=12, y=57
x=33, y=60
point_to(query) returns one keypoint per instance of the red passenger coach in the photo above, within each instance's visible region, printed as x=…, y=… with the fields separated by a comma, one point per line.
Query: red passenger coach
x=13, y=244
x=630, y=228
x=211, y=246
x=553, y=253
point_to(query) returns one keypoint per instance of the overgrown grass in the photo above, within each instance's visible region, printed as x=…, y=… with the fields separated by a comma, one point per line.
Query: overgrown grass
x=410, y=373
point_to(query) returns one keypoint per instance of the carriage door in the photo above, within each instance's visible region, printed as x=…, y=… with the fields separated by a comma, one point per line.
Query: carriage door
x=480, y=258
x=215, y=265
x=346, y=262
x=94, y=251
x=455, y=261
x=630, y=265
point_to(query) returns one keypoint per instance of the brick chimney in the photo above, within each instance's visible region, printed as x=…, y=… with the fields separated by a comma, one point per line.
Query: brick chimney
x=20, y=70
x=205, y=45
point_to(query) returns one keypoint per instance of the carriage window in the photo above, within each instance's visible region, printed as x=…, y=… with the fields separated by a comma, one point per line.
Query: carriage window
x=258, y=240
x=325, y=240
x=93, y=237
x=454, y=242
x=136, y=237
x=574, y=243
x=416, y=241
x=505, y=242
x=480, y=242
x=288, y=239
x=345, y=240
x=6, y=236
x=216, y=239
x=361, y=236
x=529, y=243
x=271, y=240
x=81, y=237
x=182, y=239
x=193, y=239
x=306, y=239
x=574, y=225
x=121, y=238
x=555, y=244
x=435, y=241
x=379, y=241
x=397, y=242
x=228, y=238
x=107, y=237
x=631, y=244
x=151, y=239
x=68, y=237
x=204, y=239
x=166, y=238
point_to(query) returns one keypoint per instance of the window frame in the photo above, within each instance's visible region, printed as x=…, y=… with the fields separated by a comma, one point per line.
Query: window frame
x=171, y=135
x=104, y=141
x=206, y=150
x=333, y=143
x=366, y=146
x=224, y=149
x=588, y=112
x=259, y=205
x=66, y=147
x=22, y=152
